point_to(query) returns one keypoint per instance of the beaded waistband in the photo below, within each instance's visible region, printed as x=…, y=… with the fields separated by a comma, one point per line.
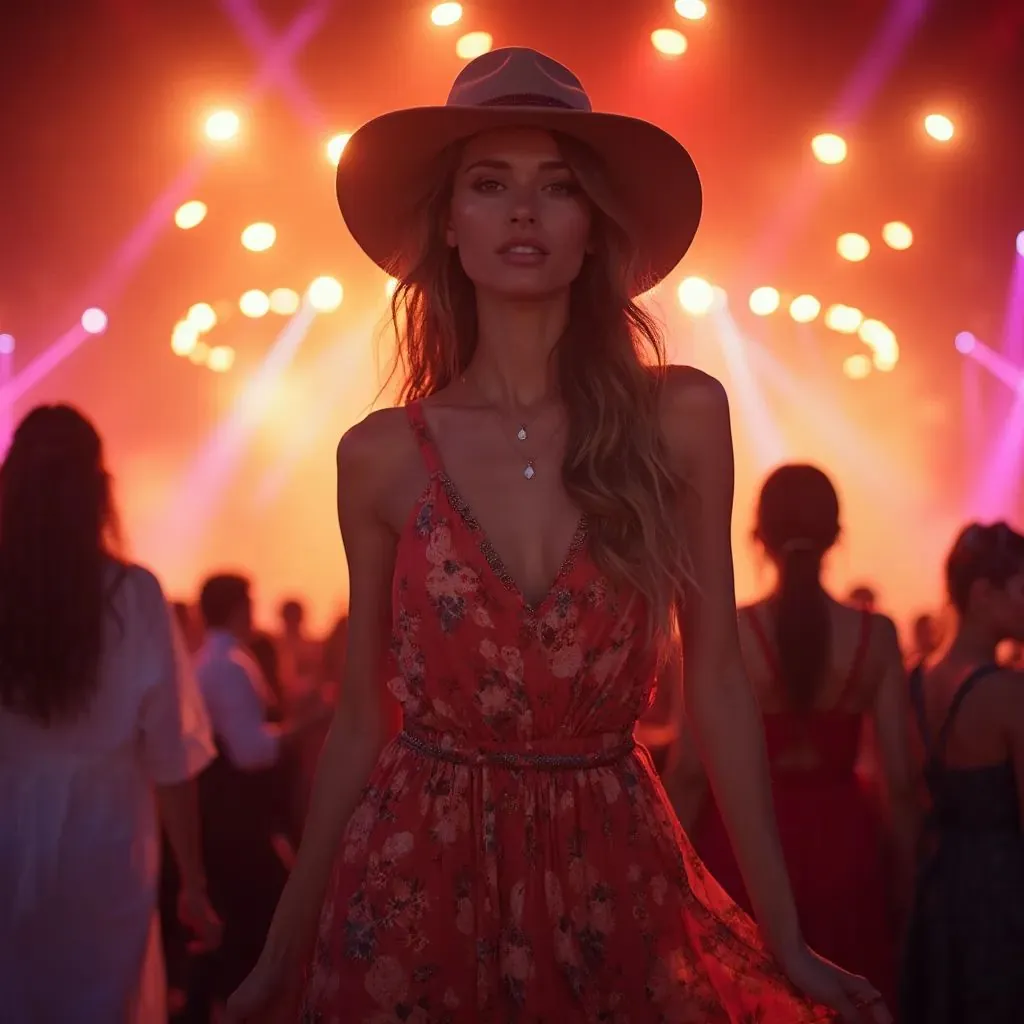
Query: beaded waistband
x=520, y=756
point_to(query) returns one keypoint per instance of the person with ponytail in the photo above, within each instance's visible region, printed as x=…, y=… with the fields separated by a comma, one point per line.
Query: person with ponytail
x=102, y=732
x=822, y=671
x=964, y=961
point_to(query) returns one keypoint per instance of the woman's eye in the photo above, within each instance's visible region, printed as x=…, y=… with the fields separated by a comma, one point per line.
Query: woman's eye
x=487, y=185
x=565, y=188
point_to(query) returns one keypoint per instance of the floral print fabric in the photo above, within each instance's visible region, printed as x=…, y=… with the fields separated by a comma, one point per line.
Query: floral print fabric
x=514, y=857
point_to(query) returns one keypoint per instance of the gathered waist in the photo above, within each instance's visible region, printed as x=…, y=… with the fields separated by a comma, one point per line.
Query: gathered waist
x=554, y=754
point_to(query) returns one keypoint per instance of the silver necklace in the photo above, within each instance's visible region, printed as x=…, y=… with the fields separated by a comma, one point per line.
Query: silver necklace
x=522, y=433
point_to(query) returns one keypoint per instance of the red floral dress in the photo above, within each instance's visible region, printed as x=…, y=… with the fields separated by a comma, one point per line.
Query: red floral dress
x=514, y=857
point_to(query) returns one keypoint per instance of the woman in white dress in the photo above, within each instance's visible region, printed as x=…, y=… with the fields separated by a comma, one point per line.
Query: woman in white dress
x=101, y=729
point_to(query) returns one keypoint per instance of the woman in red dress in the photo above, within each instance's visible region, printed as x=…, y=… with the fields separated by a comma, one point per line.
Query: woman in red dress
x=823, y=672
x=520, y=537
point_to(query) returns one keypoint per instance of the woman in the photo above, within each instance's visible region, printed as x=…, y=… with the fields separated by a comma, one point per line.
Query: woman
x=100, y=720
x=822, y=672
x=966, y=940
x=516, y=559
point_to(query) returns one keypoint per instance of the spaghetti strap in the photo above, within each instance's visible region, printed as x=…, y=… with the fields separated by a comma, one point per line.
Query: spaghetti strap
x=764, y=643
x=424, y=439
x=942, y=736
x=859, y=657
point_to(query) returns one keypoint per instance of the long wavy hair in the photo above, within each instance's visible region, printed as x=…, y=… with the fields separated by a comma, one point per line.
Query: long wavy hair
x=798, y=522
x=611, y=368
x=58, y=532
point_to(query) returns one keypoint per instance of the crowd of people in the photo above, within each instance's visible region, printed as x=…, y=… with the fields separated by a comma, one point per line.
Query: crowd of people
x=538, y=540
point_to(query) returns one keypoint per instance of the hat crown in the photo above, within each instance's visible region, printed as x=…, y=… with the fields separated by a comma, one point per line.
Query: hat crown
x=517, y=76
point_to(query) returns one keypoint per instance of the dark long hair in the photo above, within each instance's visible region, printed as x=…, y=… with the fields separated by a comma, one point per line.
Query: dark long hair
x=57, y=532
x=797, y=522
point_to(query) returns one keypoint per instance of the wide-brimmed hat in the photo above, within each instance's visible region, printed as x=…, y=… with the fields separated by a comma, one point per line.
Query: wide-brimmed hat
x=387, y=164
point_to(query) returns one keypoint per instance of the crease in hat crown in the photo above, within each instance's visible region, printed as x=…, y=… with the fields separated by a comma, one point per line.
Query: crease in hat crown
x=518, y=76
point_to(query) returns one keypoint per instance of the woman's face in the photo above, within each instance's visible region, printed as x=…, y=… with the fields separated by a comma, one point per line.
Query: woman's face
x=1008, y=606
x=518, y=217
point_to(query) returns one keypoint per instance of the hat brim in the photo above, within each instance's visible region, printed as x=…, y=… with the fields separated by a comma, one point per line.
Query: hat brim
x=388, y=161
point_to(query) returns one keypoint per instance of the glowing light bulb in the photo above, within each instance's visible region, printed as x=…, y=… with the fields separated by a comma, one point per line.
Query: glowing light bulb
x=829, y=148
x=325, y=294
x=804, y=308
x=94, y=321
x=853, y=247
x=446, y=14
x=259, y=237
x=202, y=317
x=184, y=338
x=221, y=358
x=696, y=296
x=336, y=146
x=473, y=45
x=897, y=235
x=857, y=367
x=190, y=214
x=222, y=125
x=284, y=301
x=939, y=127
x=254, y=303
x=669, y=42
x=692, y=10
x=764, y=301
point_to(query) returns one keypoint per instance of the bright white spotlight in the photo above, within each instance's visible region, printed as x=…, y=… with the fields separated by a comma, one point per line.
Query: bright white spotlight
x=692, y=10
x=446, y=14
x=184, y=338
x=202, y=317
x=857, y=367
x=336, y=146
x=254, y=303
x=222, y=125
x=94, y=321
x=391, y=287
x=325, y=294
x=6, y=344
x=804, y=308
x=669, y=42
x=190, y=214
x=259, y=237
x=764, y=301
x=1020, y=244
x=965, y=342
x=897, y=235
x=696, y=296
x=284, y=301
x=473, y=45
x=221, y=358
x=843, y=319
x=829, y=148
x=853, y=247
x=939, y=127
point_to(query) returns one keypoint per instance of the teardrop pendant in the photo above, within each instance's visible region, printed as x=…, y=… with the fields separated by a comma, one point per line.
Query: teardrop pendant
x=521, y=433
x=529, y=471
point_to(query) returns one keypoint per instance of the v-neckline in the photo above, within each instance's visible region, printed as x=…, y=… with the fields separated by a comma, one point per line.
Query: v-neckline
x=495, y=562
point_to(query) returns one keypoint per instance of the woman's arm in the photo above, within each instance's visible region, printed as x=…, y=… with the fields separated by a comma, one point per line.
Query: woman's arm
x=360, y=726
x=891, y=719
x=720, y=705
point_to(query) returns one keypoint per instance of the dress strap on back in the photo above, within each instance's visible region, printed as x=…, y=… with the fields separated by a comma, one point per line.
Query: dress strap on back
x=424, y=439
x=936, y=752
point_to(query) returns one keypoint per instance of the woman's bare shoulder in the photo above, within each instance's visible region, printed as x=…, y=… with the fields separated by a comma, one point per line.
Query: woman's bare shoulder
x=376, y=452
x=694, y=413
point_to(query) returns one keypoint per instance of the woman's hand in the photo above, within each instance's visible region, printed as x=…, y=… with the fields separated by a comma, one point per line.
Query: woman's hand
x=198, y=917
x=854, y=997
x=271, y=992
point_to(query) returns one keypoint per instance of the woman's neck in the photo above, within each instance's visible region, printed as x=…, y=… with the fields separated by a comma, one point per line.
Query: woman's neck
x=972, y=645
x=512, y=365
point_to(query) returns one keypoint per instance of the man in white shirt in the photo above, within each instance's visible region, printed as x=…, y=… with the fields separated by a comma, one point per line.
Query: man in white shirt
x=244, y=793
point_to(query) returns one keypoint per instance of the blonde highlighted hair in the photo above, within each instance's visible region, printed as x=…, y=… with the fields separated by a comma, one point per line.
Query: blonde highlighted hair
x=611, y=369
